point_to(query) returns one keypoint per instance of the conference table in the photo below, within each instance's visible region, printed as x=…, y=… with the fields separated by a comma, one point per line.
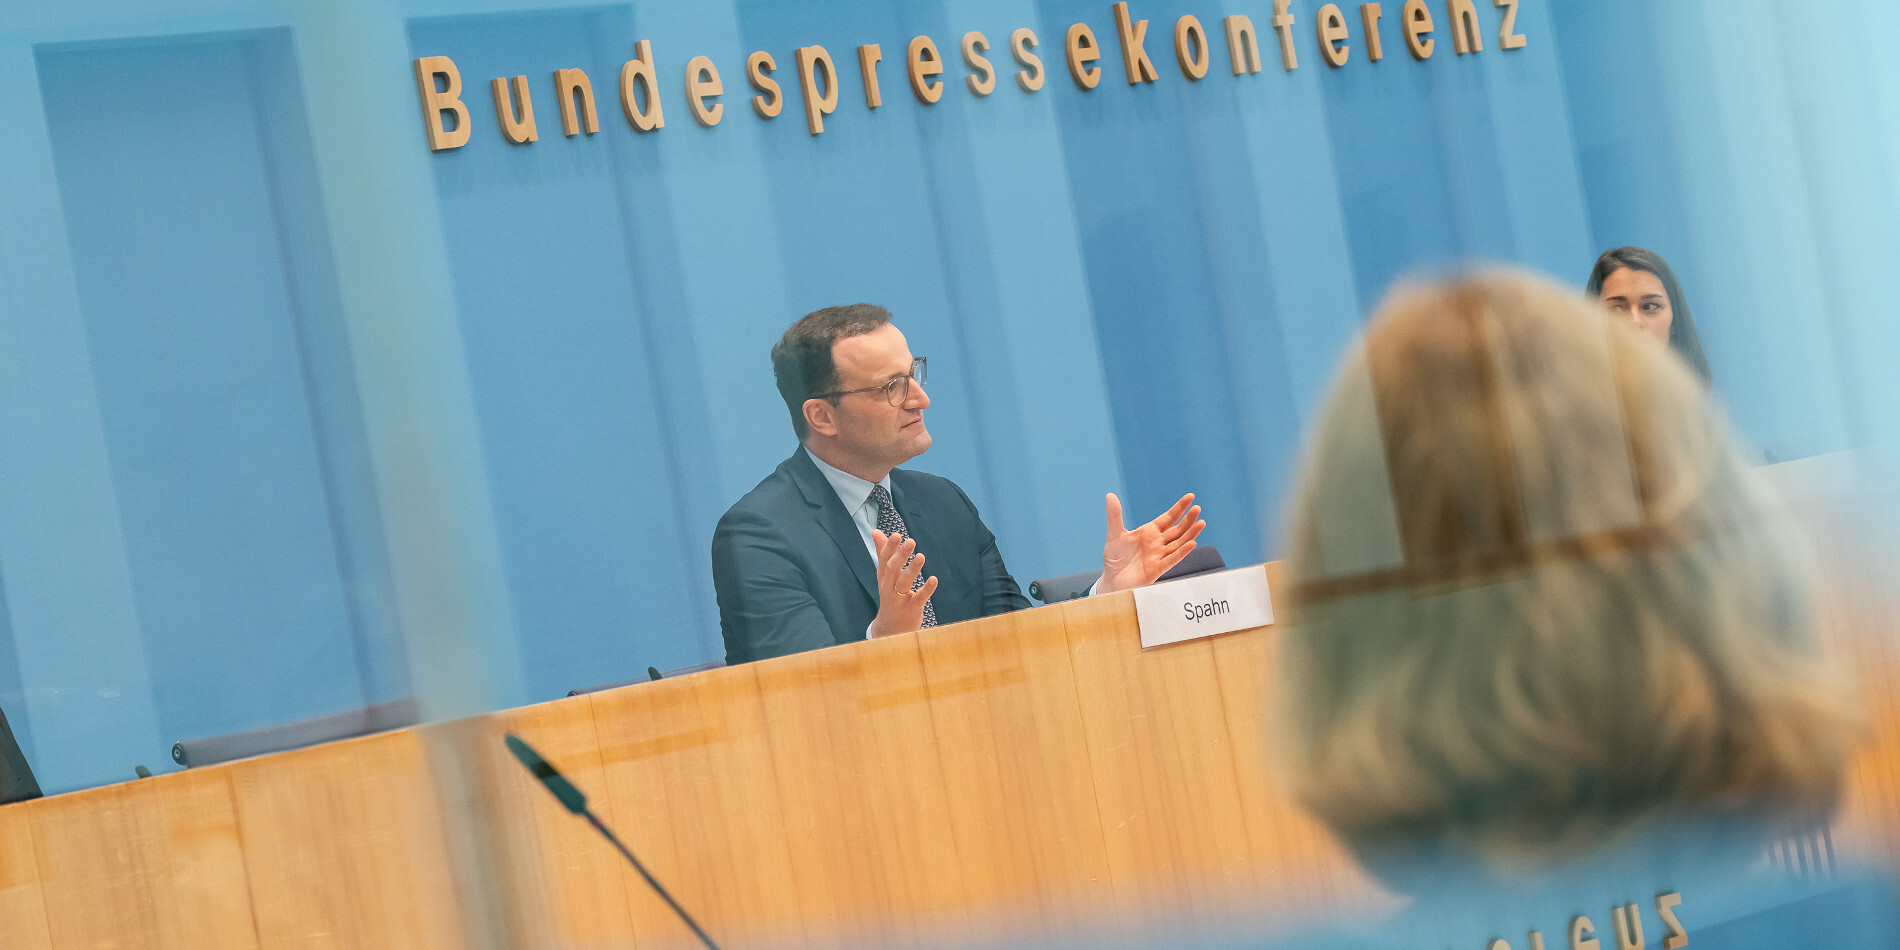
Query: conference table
x=1035, y=775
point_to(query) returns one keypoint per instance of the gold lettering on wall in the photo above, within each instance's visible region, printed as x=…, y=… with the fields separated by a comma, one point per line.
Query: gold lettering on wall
x=1082, y=50
x=570, y=85
x=702, y=81
x=1283, y=25
x=1134, y=37
x=1508, y=37
x=1498, y=943
x=1677, y=937
x=1030, y=76
x=447, y=120
x=817, y=106
x=518, y=131
x=1369, y=19
x=1466, y=37
x=758, y=69
x=923, y=61
x=1582, y=933
x=1331, y=26
x=983, y=81
x=1629, y=927
x=868, y=58
x=640, y=69
x=1190, y=47
x=447, y=100
x=1418, y=24
x=1242, y=48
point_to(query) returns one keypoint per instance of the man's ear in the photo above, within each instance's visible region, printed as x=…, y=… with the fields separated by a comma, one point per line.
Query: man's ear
x=821, y=417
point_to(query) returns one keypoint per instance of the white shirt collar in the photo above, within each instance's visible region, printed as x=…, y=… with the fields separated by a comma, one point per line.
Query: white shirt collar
x=852, y=490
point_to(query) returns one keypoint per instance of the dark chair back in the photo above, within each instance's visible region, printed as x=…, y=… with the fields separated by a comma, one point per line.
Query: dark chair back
x=1055, y=590
x=16, y=779
x=652, y=674
x=380, y=717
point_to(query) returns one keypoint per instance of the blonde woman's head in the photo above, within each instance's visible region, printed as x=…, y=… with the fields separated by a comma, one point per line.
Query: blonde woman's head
x=1536, y=597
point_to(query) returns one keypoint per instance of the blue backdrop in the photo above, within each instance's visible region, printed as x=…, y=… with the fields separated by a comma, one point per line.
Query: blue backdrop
x=297, y=415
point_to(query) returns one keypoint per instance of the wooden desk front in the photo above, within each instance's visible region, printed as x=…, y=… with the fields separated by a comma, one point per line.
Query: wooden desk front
x=1034, y=774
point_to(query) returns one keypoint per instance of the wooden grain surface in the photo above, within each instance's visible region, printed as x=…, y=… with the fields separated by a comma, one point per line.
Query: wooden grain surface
x=1035, y=775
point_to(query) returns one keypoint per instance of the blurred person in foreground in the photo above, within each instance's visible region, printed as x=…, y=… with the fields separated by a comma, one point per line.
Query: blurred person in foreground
x=1637, y=285
x=1551, y=649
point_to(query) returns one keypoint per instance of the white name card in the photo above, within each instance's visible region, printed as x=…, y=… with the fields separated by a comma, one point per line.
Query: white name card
x=1203, y=606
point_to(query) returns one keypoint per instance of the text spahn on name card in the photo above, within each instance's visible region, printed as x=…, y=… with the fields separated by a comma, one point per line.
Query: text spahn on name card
x=1203, y=606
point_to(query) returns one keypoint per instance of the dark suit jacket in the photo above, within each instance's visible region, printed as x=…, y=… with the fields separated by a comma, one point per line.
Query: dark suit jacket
x=793, y=574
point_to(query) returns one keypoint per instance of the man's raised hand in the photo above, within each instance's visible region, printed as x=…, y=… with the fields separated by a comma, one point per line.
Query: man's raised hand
x=1137, y=558
x=899, y=609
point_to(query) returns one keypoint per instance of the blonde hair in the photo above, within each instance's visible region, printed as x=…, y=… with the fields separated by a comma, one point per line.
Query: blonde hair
x=1535, y=595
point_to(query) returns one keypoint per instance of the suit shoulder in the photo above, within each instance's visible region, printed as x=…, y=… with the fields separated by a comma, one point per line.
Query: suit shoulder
x=924, y=484
x=773, y=494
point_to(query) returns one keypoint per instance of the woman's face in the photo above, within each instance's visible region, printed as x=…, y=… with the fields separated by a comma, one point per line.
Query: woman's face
x=1638, y=296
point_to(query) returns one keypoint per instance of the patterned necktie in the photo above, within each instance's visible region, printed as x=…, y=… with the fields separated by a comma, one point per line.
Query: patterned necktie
x=889, y=522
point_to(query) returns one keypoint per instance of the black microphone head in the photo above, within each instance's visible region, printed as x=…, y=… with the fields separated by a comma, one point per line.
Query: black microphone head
x=556, y=783
x=143, y=772
x=653, y=672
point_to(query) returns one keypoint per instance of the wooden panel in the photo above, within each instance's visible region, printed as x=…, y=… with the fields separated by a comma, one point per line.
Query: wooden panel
x=22, y=908
x=156, y=864
x=191, y=861
x=561, y=881
x=346, y=847
x=89, y=877
x=867, y=817
x=1019, y=785
x=1165, y=774
x=1301, y=867
x=690, y=788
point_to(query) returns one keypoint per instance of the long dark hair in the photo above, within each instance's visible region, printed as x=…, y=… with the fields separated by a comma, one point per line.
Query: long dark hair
x=1682, y=336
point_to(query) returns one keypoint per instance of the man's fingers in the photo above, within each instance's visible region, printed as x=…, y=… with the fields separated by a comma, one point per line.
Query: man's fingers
x=1173, y=514
x=1195, y=532
x=1116, y=528
x=907, y=575
x=924, y=592
x=1181, y=527
x=1175, y=557
x=894, y=554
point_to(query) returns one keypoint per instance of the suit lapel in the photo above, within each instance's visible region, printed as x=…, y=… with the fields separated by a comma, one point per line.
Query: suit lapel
x=918, y=521
x=823, y=499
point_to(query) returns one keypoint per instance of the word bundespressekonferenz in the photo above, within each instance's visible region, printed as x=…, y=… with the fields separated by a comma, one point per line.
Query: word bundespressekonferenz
x=448, y=122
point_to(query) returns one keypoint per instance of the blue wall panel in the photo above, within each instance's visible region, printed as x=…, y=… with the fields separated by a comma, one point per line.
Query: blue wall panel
x=563, y=271
x=196, y=316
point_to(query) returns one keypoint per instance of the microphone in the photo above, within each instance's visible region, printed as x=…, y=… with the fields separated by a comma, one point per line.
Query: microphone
x=564, y=790
x=142, y=772
x=572, y=799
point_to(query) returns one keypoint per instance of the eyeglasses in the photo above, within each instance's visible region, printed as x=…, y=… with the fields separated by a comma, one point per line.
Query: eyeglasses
x=896, y=391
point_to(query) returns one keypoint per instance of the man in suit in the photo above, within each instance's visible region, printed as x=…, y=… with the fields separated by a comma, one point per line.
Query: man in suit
x=831, y=547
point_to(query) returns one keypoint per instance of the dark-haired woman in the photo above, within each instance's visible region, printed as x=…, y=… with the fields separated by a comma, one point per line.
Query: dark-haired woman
x=1638, y=284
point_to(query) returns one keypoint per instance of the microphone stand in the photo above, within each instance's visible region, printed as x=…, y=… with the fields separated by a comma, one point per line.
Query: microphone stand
x=572, y=798
x=651, y=881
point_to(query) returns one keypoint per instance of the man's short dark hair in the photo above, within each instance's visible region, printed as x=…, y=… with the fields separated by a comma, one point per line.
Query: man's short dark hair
x=801, y=359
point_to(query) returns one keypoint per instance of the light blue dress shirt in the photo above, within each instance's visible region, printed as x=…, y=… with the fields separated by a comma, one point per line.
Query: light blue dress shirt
x=855, y=493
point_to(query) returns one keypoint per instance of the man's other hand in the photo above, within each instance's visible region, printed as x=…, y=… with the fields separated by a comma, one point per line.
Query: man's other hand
x=1138, y=558
x=899, y=609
